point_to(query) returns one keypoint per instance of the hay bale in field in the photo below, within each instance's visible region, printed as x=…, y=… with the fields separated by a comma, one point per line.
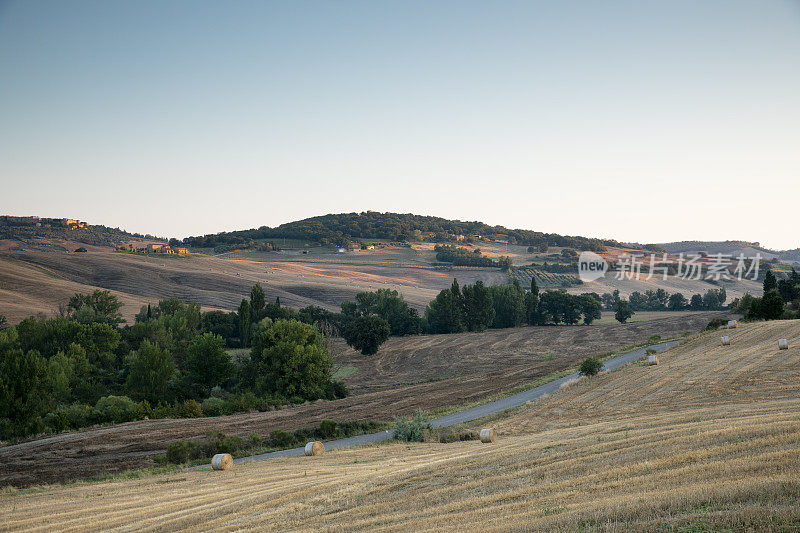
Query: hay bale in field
x=652, y=359
x=315, y=448
x=222, y=461
x=726, y=341
x=783, y=344
x=488, y=435
x=733, y=324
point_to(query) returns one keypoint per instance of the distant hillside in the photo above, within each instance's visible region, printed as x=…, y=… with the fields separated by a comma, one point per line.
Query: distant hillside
x=790, y=255
x=61, y=233
x=749, y=249
x=345, y=227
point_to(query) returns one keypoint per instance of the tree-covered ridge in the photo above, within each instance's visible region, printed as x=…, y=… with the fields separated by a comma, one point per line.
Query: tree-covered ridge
x=32, y=230
x=396, y=227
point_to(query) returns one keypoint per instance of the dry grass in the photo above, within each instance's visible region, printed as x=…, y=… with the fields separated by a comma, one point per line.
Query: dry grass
x=709, y=439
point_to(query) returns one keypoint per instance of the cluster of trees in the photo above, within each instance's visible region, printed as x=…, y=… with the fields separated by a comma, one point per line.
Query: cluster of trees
x=781, y=299
x=478, y=307
x=661, y=300
x=461, y=256
x=83, y=368
x=395, y=227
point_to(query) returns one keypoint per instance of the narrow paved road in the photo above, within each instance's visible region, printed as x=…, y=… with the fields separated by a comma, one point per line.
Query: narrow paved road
x=472, y=413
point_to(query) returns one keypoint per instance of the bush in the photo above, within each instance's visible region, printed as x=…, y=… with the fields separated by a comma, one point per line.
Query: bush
x=179, y=452
x=413, y=429
x=327, y=429
x=192, y=409
x=715, y=323
x=116, y=409
x=590, y=367
x=161, y=411
x=215, y=407
x=280, y=439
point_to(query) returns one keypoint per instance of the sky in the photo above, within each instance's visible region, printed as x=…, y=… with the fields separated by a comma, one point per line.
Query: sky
x=638, y=121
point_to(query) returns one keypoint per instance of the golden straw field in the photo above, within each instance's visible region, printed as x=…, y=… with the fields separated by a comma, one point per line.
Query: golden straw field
x=707, y=440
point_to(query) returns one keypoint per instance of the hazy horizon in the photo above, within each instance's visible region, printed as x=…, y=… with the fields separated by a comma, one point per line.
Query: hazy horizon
x=624, y=120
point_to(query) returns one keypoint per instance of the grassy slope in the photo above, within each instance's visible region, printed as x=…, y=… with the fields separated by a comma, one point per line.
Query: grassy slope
x=709, y=439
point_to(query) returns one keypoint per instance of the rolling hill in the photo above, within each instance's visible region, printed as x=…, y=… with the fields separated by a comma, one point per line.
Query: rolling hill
x=707, y=440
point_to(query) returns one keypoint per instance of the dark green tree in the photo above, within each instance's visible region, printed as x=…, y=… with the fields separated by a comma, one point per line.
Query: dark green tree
x=622, y=311
x=390, y=306
x=150, y=371
x=291, y=359
x=100, y=306
x=478, y=307
x=257, y=303
x=244, y=323
x=509, y=305
x=677, y=302
x=366, y=333
x=207, y=363
x=771, y=306
x=24, y=388
x=770, y=282
x=591, y=307
x=444, y=314
x=532, y=315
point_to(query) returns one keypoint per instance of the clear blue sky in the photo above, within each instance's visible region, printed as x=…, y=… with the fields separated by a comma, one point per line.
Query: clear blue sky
x=645, y=121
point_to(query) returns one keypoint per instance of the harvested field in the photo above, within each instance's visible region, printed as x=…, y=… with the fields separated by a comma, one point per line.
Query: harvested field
x=37, y=281
x=708, y=440
x=407, y=374
x=507, y=357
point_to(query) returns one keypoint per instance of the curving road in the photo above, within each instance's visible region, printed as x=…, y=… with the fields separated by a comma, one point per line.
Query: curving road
x=472, y=413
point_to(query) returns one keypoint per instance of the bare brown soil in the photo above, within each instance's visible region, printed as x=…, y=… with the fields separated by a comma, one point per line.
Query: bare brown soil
x=407, y=374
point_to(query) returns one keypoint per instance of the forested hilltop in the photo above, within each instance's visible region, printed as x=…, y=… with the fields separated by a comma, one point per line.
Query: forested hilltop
x=345, y=227
x=51, y=232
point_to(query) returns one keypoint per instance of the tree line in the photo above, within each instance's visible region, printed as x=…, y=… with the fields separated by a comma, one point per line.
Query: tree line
x=83, y=368
x=661, y=300
x=781, y=299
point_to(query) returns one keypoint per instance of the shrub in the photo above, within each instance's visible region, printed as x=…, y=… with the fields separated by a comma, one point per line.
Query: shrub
x=191, y=409
x=715, y=323
x=56, y=421
x=413, y=429
x=280, y=439
x=650, y=351
x=161, y=411
x=654, y=339
x=179, y=452
x=215, y=407
x=327, y=429
x=590, y=367
x=116, y=409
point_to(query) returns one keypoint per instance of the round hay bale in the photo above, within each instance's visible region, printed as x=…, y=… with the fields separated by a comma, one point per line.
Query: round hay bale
x=222, y=461
x=488, y=435
x=726, y=341
x=315, y=448
x=652, y=359
x=733, y=324
x=783, y=344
